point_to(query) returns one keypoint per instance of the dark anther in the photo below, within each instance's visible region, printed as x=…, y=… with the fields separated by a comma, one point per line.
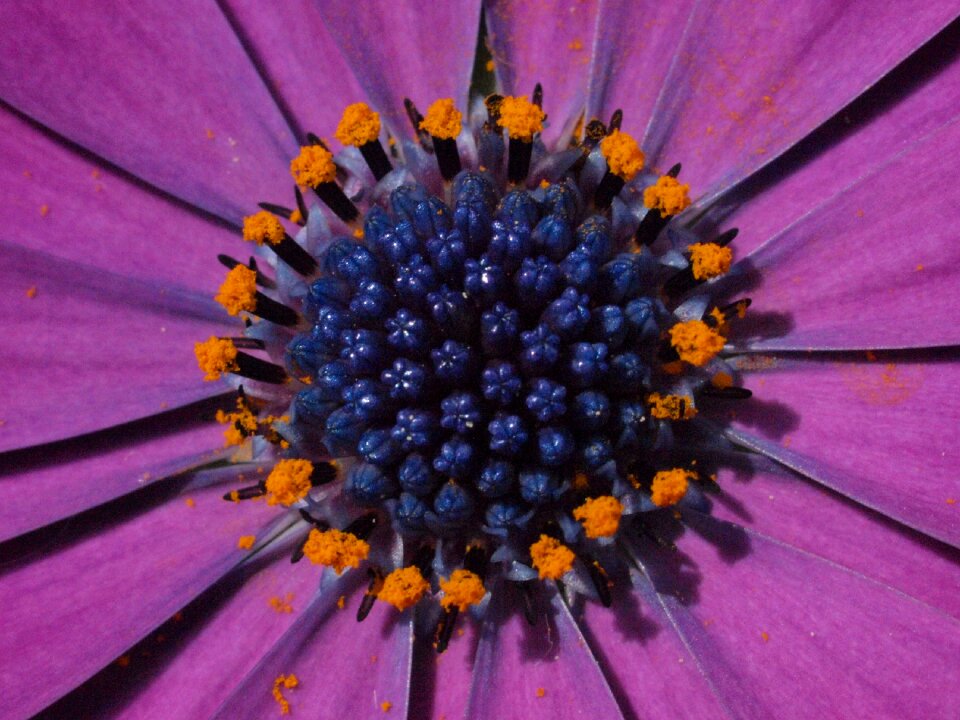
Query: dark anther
x=650, y=227
x=416, y=118
x=660, y=541
x=675, y=170
x=376, y=158
x=297, y=555
x=370, y=596
x=530, y=610
x=248, y=343
x=323, y=473
x=257, y=369
x=337, y=201
x=492, y=103
x=538, y=96
x=679, y=283
x=616, y=120
x=728, y=393
x=275, y=312
x=230, y=263
x=295, y=256
x=301, y=205
x=246, y=493
x=667, y=353
x=363, y=526
x=737, y=306
x=423, y=559
x=593, y=133
x=609, y=187
x=280, y=210
x=518, y=163
x=475, y=561
x=448, y=157
x=725, y=238
x=600, y=579
x=445, y=626
x=312, y=139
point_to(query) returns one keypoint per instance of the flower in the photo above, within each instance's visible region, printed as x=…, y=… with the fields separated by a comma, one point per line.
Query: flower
x=136, y=141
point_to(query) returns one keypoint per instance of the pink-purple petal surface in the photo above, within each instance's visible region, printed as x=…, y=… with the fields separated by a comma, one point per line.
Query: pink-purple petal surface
x=753, y=78
x=346, y=669
x=883, y=432
x=783, y=633
x=442, y=682
x=91, y=349
x=162, y=89
x=72, y=607
x=405, y=49
x=549, y=42
x=547, y=671
x=876, y=267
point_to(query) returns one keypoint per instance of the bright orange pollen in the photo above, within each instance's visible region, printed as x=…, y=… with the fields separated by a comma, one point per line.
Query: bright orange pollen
x=551, y=558
x=521, y=118
x=296, y=216
x=313, y=166
x=284, y=681
x=443, y=120
x=708, y=260
x=696, y=342
x=461, y=590
x=262, y=227
x=335, y=548
x=624, y=157
x=671, y=407
x=669, y=486
x=240, y=424
x=667, y=195
x=239, y=291
x=245, y=542
x=600, y=516
x=215, y=357
x=288, y=482
x=403, y=588
x=358, y=126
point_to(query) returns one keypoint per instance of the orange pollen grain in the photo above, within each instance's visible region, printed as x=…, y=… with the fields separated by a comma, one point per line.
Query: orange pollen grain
x=551, y=558
x=288, y=482
x=600, y=516
x=215, y=357
x=461, y=590
x=443, y=120
x=288, y=682
x=669, y=486
x=335, y=548
x=671, y=407
x=722, y=380
x=709, y=260
x=521, y=118
x=386, y=705
x=239, y=291
x=696, y=342
x=358, y=126
x=313, y=166
x=667, y=195
x=624, y=157
x=403, y=587
x=246, y=541
x=281, y=605
x=262, y=227
x=296, y=216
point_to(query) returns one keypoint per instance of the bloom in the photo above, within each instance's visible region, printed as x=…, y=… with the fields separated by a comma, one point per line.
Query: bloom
x=848, y=261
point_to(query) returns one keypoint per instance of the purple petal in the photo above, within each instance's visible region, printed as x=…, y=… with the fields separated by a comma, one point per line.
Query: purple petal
x=84, y=472
x=884, y=433
x=752, y=79
x=441, y=683
x=106, y=582
x=921, y=95
x=346, y=669
x=765, y=498
x=163, y=90
x=90, y=349
x=781, y=633
x=872, y=268
x=515, y=663
x=299, y=59
x=546, y=42
x=636, y=43
x=64, y=202
x=403, y=49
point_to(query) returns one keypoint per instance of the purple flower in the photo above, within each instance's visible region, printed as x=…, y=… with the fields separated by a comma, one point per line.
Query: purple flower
x=816, y=577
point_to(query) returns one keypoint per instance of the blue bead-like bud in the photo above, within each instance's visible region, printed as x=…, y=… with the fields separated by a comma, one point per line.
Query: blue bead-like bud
x=416, y=429
x=379, y=447
x=553, y=237
x=518, y=206
x=538, y=281
x=590, y=411
x=628, y=371
x=539, y=486
x=372, y=302
x=587, y=364
x=409, y=513
x=607, y=325
x=368, y=399
x=406, y=380
x=568, y=315
x=619, y=279
x=448, y=253
x=497, y=478
x=500, y=382
x=343, y=429
x=305, y=353
x=580, y=270
x=330, y=322
x=639, y=314
x=397, y=245
x=457, y=458
x=509, y=244
x=547, y=399
x=461, y=412
x=452, y=312
x=453, y=362
x=594, y=236
x=416, y=475
x=328, y=291
x=375, y=225
x=485, y=280
x=311, y=408
x=364, y=351
x=499, y=330
x=631, y=424
x=404, y=201
x=453, y=505
x=414, y=280
x=473, y=218
x=331, y=379
x=350, y=261
x=596, y=452
x=473, y=186
x=408, y=333
x=367, y=485
x=540, y=350
x=562, y=199
x=555, y=445
x=506, y=514
x=508, y=434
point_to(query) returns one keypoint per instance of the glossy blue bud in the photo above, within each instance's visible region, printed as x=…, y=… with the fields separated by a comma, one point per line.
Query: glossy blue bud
x=540, y=350
x=331, y=379
x=596, y=452
x=368, y=399
x=607, y=325
x=377, y=446
x=457, y=458
x=409, y=513
x=538, y=281
x=628, y=371
x=416, y=475
x=547, y=399
x=485, y=280
x=461, y=412
x=506, y=514
x=453, y=313
x=539, y=486
x=499, y=330
x=590, y=411
x=453, y=505
x=508, y=434
x=408, y=333
x=406, y=380
x=555, y=446
x=587, y=364
x=562, y=199
x=448, y=253
x=580, y=270
x=619, y=279
x=500, y=382
x=416, y=429
x=369, y=486
x=372, y=302
x=518, y=206
x=497, y=478
x=364, y=351
x=453, y=362
x=509, y=244
x=568, y=315
x=553, y=237
x=594, y=236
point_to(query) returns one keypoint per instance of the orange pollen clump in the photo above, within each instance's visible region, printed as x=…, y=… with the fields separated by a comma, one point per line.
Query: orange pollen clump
x=240, y=424
x=696, y=342
x=600, y=516
x=215, y=357
x=262, y=227
x=709, y=260
x=461, y=590
x=246, y=541
x=296, y=216
x=624, y=157
x=288, y=482
x=403, y=587
x=358, y=126
x=667, y=195
x=239, y=291
x=521, y=118
x=671, y=407
x=443, y=120
x=284, y=681
x=313, y=166
x=335, y=548
x=551, y=558
x=669, y=486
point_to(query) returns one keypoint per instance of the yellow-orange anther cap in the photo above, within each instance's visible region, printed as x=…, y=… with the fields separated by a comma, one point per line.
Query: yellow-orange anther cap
x=709, y=260
x=313, y=166
x=461, y=590
x=262, y=227
x=443, y=120
x=667, y=195
x=403, y=588
x=671, y=407
x=335, y=548
x=600, y=516
x=551, y=559
x=696, y=342
x=669, y=486
x=521, y=118
x=624, y=157
x=288, y=482
x=239, y=291
x=215, y=357
x=358, y=126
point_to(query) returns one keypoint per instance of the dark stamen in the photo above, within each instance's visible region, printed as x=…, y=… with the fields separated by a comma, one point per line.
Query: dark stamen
x=492, y=103
x=297, y=555
x=247, y=343
x=681, y=282
x=538, y=96
x=312, y=139
x=593, y=133
x=275, y=312
x=415, y=119
x=530, y=610
x=448, y=157
x=376, y=159
x=423, y=559
x=323, y=473
x=653, y=222
x=257, y=369
x=616, y=120
x=295, y=256
x=733, y=392
x=518, y=163
x=475, y=561
x=601, y=582
x=301, y=205
x=674, y=172
x=335, y=199
x=280, y=210
x=445, y=627
x=609, y=187
x=725, y=238
x=230, y=263
x=735, y=306
x=363, y=526
x=246, y=493
x=370, y=596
